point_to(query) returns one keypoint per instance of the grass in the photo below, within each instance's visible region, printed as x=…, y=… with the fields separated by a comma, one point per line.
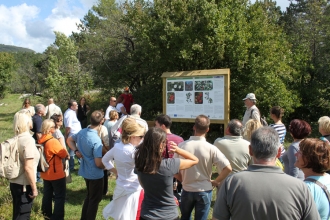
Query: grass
x=76, y=190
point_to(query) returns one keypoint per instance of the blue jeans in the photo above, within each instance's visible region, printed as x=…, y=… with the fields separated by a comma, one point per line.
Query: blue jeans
x=201, y=201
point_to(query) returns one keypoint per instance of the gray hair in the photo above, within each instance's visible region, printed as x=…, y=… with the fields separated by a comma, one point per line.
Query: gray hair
x=235, y=127
x=265, y=143
x=38, y=107
x=136, y=109
x=254, y=101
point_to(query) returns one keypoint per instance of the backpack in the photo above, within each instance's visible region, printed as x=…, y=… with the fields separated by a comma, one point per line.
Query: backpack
x=10, y=165
x=43, y=164
x=262, y=119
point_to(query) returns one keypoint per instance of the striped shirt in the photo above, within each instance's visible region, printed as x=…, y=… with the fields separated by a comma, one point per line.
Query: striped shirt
x=281, y=130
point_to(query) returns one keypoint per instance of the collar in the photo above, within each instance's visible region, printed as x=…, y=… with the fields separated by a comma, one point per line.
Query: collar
x=91, y=130
x=265, y=169
x=231, y=137
x=24, y=134
x=197, y=138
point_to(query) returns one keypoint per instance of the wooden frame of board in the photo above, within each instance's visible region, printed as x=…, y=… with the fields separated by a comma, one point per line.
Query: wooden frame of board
x=201, y=73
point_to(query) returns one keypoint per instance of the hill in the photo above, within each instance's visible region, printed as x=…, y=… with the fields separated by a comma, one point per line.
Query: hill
x=13, y=49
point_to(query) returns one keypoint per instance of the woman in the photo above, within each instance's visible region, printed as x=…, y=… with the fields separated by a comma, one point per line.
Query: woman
x=82, y=112
x=27, y=106
x=276, y=113
x=58, y=120
x=324, y=127
x=156, y=174
x=250, y=126
x=313, y=159
x=120, y=107
x=113, y=117
x=299, y=129
x=127, y=192
x=54, y=177
x=23, y=188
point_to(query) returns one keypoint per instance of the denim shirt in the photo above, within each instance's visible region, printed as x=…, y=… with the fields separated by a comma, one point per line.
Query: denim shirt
x=89, y=145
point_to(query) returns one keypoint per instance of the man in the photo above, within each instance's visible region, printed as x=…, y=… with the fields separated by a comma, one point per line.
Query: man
x=164, y=122
x=37, y=121
x=196, y=181
x=127, y=99
x=112, y=106
x=115, y=132
x=52, y=109
x=264, y=191
x=252, y=112
x=36, y=127
x=86, y=144
x=234, y=147
x=72, y=126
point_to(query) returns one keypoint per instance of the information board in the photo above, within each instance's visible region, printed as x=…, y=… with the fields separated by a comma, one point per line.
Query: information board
x=187, y=97
x=188, y=94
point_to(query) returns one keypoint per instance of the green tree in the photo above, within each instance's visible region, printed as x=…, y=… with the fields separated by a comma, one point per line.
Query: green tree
x=134, y=43
x=65, y=77
x=27, y=77
x=7, y=66
x=307, y=24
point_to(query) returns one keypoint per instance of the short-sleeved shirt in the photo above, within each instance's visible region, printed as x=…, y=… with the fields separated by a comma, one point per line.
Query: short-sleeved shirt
x=37, y=122
x=118, y=107
x=197, y=178
x=264, y=192
x=236, y=150
x=71, y=121
x=90, y=146
x=251, y=113
x=171, y=137
x=109, y=109
x=58, y=134
x=27, y=150
x=320, y=198
x=158, y=202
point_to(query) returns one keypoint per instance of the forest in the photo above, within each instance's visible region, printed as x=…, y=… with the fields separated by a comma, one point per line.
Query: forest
x=281, y=56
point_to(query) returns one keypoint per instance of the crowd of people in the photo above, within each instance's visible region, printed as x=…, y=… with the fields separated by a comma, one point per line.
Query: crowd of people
x=159, y=175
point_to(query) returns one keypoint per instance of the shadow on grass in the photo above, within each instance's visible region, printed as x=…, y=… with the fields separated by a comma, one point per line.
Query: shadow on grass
x=76, y=191
x=6, y=117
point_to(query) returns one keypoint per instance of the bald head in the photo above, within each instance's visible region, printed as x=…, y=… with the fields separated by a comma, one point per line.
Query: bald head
x=50, y=101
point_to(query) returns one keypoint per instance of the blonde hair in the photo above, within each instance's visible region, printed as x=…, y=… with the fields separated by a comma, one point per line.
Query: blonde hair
x=131, y=128
x=22, y=121
x=46, y=125
x=324, y=124
x=113, y=114
x=250, y=126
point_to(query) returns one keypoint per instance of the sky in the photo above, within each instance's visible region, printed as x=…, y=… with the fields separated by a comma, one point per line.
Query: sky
x=31, y=23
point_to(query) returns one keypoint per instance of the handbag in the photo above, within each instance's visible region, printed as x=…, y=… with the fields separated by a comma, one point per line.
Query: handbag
x=67, y=172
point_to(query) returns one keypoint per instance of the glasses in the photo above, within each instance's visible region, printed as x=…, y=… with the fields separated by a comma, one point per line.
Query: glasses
x=141, y=137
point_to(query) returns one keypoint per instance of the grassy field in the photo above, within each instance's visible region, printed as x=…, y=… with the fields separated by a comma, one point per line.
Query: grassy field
x=76, y=190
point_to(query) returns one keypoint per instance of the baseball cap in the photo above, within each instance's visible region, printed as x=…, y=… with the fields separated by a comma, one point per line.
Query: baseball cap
x=250, y=96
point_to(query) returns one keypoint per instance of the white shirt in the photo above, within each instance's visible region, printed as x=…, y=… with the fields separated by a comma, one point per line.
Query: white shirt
x=109, y=109
x=118, y=107
x=52, y=109
x=123, y=154
x=71, y=121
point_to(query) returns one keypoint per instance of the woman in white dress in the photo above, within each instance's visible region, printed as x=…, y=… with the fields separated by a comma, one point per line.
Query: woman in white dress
x=125, y=203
